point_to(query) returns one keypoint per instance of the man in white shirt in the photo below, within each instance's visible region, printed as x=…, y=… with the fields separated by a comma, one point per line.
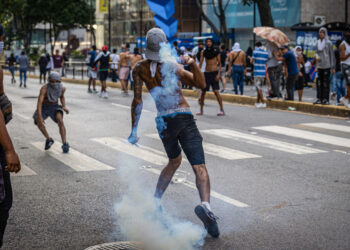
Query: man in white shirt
x=114, y=64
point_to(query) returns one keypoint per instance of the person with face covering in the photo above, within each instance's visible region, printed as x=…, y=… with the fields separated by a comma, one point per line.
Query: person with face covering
x=238, y=63
x=48, y=107
x=344, y=51
x=175, y=114
x=325, y=63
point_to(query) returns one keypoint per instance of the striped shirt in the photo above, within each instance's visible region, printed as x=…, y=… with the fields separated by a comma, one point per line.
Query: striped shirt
x=260, y=57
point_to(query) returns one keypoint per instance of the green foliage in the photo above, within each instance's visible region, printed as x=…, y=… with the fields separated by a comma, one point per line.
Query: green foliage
x=34, y=55
x=77, y=54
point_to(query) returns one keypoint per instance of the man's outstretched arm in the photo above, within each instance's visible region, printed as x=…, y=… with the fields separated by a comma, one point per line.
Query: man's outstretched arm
x=194, y=78
x=136, y=106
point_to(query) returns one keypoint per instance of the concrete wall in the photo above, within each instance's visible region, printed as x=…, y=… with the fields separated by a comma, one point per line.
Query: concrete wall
x=334, y=10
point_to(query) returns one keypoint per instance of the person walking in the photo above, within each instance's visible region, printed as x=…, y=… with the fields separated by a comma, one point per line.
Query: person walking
x=212, y=59
x=325, y=63
x=92, y=70
x=259, y=59
x=11, y=63
x=124, y=69
x=237, y=63
x=299, y=86
x=103, y=58
x=42, y=66
x=58, y=62
x=290, y=62
x=180, y=126
x=274, y=70
x=65, y=62
x=114, y=64
x=344, y=52
x=23, y=67
x=338, y=77
x=223, y=57
x=49, y=65
x=9, y=161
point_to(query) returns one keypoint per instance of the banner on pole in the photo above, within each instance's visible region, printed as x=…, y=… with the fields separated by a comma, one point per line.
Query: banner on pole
x=103, y=6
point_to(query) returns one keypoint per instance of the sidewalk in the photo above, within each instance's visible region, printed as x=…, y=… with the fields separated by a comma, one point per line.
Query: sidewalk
x=247, y=99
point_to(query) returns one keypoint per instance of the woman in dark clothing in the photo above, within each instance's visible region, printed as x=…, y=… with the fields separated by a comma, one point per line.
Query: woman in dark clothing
x=11, y=62
x=42, y=66
x=249, y=67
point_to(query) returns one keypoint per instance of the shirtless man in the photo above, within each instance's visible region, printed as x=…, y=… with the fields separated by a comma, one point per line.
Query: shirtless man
x=175, y=113
x=134, y=58
x=238, y=60
x=212, y=74
x=123, y=68
x=48, y=107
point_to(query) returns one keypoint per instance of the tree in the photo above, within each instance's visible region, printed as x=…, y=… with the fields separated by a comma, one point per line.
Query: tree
x=219, y=10
x=264, y=11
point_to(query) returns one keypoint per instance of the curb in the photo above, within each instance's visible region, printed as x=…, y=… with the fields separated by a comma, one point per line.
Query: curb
x=305, y=107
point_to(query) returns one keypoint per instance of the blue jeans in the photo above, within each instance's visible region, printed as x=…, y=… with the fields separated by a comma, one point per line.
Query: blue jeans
x=238, y=77
x=12, y=70
x=339, y=81
x=24, y=72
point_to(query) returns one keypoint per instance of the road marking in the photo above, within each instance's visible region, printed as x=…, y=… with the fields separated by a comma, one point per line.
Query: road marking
x=212, y=192
x=128, y=107
x=220, y=151
x=262, y=141
x=307, y=135
x=25, y=171
x=329, y=126
x=74, y=159
x=21, y=116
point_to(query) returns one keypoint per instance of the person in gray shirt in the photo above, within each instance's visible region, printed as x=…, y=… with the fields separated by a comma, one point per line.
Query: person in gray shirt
x=274, y=69
x=23, y=66
x=325, y=63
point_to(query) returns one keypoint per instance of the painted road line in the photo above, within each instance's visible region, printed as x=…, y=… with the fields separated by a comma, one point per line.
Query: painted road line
x=213, y=193
x=307, y=135
x=129, y=107
x=74, y=159
x=23, y=117
x=25, y=171
x=329, y=126
x=262, y=141
x=220, y=151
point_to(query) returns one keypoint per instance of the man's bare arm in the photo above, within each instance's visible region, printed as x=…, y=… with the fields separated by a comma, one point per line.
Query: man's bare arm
x=342, y=49
x=277, y=56
x=194, y=78
x=218, y=58
x=40, y=102
x=63, y=100
x=201, y=59
x=136, y=106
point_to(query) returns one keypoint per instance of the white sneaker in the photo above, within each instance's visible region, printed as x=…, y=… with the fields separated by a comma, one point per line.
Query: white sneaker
x=344, y=101
x=258, y=105
x=263, y=105
x=105, y=95
x=100, y=94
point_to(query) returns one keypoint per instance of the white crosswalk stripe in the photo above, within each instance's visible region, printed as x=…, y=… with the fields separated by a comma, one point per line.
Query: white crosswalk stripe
x=74, y=159
x=307, y=135
x=151, y=155
x=329, y=126
x=220, y=151
x=25, y=171
x=128, y=107
x=262, y=141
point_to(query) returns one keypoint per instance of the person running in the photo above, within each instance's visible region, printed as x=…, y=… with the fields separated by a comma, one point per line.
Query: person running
x=42, y=66
x=288, y=58
x=259, y=59
x=48, y=107
x=238, y=61
x=58, y=62
x=344, y=51
x=103, y=58
x=212, y=73
x=114, y=64
x=23, y=67
x=123, y=68
x=92, y=70
x=9, y=161
x=175, y=115
x=300, y=81
x=223, y=57
x=11, y=63
x=134, y=58
x=325, y=63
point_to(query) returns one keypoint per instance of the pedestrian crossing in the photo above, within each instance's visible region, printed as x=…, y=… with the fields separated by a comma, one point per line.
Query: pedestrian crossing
x=80, y=162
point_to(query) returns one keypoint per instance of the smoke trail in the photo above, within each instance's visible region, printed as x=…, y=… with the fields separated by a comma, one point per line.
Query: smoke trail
x=140, y=216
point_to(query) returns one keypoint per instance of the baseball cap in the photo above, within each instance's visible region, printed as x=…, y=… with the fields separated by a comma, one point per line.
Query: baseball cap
x=104, y=48
x=55, y=76
x=154, y=38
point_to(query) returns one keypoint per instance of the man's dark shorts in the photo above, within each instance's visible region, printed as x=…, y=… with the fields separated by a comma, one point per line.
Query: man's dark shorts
x=210, y=80
x=103, y=75
x=48, y=110
x=182, y=128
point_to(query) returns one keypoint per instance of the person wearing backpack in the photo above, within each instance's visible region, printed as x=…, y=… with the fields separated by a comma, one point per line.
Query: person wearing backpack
x=92, y=70
x=42, y=65
x=103, y=58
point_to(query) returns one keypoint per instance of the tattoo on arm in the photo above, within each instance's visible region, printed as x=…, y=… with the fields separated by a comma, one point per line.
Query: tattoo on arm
x=136, y=106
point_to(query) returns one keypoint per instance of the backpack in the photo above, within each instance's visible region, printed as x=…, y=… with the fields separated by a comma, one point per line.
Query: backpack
x=90, y=61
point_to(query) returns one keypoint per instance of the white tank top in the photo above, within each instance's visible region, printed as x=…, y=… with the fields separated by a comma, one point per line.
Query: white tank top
x=347, y=52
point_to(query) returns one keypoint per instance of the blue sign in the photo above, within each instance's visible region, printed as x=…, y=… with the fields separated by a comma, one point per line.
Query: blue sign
x=284, y=13
x=308, y=42
x=163, y=8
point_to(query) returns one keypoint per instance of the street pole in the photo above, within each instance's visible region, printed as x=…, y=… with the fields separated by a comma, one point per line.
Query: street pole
x=346, y=12
x=200, y=21
x=109, y=24
x=90, y=23
x=141, y=34
x=254, y=22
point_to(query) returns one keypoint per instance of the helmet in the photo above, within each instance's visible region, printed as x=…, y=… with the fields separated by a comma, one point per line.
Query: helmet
x=104, y=48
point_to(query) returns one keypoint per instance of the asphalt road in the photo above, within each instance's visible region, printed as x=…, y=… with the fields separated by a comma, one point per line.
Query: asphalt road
x=281, y=180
